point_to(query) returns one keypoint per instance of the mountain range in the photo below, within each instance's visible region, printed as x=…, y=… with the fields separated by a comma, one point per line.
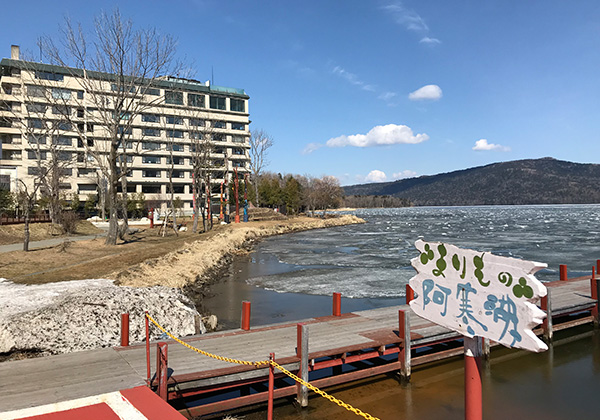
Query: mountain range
x=529, y=181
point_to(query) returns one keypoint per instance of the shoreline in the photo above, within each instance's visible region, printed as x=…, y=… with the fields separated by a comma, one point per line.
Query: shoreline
x=172, y=285
x=203, y=260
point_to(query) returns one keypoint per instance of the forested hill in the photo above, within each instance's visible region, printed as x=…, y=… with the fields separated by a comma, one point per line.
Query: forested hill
x=530, y=181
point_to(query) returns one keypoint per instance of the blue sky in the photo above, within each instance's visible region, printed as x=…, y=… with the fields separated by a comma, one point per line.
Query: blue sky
x=382, y=90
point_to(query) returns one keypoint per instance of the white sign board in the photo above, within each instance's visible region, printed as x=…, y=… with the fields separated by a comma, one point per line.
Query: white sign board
x=479, y=294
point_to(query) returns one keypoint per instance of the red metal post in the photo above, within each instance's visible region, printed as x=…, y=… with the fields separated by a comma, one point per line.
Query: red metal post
x=162, y=370
x=337, y=304
x=124, y=330
x=594, y=294
x=246, y=315
x=147, y=349
x=410, y=293
x=271, y=389
x=563, y=272
x=473, y=393
x=546, y=305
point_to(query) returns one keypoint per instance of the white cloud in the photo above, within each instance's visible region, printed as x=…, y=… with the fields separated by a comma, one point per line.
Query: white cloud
x=376, y=176
x=411, y=21
x=311, y=147
x=428, y=92
x=430, y=41
x=387, y=96
x=404, y=174
x=379, y=136
x=352, y=79
x=407, y=18
x=484, y=145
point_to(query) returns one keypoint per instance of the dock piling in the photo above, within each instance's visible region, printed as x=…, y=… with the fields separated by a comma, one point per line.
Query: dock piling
x=595, y=293
x=410, y=293
x=404, y=351
x=547, y=322
x=245, y=315
x=271, y=388
x=473, y=390
x=302, y=353
x=337, y=304
x=162, y=369
x=124, y=330
x=563, y=272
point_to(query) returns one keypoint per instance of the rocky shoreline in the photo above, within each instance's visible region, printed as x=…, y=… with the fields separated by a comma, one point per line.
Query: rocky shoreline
x=85, y=314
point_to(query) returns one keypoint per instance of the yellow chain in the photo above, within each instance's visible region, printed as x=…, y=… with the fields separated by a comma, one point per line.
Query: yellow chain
x=264, y=363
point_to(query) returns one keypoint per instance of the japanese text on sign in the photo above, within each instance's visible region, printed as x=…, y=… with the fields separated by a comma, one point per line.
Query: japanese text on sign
x=478, y=294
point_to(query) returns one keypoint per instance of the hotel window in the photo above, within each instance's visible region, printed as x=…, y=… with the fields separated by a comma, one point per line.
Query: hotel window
x=80, y=94
x=217, y=102
x=150, y=118
x=148, y=145
x=194, y=135
x=177, y=160
x=238, y=126
x=178, y=174
x=173, y=119
x=151, y=173
x=64, y=94
x=196, y=122
x=64, y=125
x=62, y=155
x=150, y=159
x=175, y=147
x=219, y=124
x=61, y=110
x=41, y=108
x=152, y=91
x=35, y=123
x=173, y=98
x=237, y=105
x=33, y=155
x=196, y=101
x=178, y=134
x=237, y=139
x=179, y=188
x=45, y=75
x=36, y=91
x=62, y=141
x=151, y=132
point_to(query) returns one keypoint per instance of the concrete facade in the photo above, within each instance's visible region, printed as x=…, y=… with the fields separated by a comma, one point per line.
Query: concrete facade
x=175, y=111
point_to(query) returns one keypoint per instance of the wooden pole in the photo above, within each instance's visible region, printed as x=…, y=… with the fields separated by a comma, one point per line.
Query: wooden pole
x=147, y=349
x=595, y=292
x=162, y=369
x=337, y=304
x=302, y=353
x=546, y=305
x=124, y=330
x=404, y=351
x=473, y=393
x=246, y=315
x=271, y=389
x=410, y=293
x=563, y=272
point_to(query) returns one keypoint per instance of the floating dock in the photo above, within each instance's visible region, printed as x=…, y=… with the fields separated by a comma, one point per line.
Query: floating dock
x=328, y=350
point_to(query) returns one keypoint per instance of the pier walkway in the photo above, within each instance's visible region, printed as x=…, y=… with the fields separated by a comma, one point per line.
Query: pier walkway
x=359, y=339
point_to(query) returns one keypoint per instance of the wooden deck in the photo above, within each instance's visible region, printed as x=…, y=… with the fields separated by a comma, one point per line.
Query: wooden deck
x=33, y=382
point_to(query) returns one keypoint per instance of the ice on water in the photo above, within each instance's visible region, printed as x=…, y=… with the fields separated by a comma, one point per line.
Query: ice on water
x=373, y=259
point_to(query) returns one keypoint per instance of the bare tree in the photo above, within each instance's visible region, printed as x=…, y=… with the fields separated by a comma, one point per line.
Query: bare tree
x=260, y=142
x=117, y=79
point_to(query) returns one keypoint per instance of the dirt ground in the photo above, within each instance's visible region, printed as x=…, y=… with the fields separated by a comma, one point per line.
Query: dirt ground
x=135, y=261
x=13, y=234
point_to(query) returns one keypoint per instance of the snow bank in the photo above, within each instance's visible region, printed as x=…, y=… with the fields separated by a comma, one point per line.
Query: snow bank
x=77, y=315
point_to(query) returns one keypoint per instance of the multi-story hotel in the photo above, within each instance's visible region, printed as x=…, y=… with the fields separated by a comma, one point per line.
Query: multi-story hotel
x=160, y=135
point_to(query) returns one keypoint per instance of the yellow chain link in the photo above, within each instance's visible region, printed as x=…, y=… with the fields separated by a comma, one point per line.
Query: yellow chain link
x=264, y=363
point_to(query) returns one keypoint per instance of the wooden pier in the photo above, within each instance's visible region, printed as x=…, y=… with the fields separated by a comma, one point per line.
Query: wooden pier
x=333, y=349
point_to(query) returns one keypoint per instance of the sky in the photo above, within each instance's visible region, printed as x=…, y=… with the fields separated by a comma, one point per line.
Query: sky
x=372, y=91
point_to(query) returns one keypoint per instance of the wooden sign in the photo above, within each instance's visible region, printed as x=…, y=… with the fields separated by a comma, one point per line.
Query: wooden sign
x=479, y=294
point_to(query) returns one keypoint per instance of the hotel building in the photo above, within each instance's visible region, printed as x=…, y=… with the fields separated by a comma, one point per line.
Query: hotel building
x=35, y=96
